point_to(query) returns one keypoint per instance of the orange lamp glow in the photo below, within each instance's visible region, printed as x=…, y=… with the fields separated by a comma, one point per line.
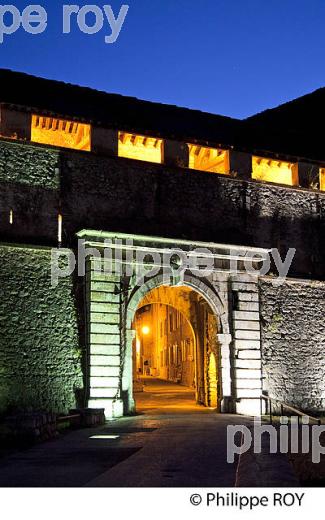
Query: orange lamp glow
x=140, y=147
x=58, y=132
x=208, y=159
x=145, y=330
x=270, y=170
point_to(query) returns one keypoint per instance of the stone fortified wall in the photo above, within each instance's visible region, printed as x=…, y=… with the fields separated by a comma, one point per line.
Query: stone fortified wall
x=293, y=342
x=41, y=344
x=123, y=195
x=42, y=340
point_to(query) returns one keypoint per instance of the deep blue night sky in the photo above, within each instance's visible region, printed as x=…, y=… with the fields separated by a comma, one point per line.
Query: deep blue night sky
x=231, y=57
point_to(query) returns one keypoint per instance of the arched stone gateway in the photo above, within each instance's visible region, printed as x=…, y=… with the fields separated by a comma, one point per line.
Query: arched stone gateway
x=116, y=286
x=199, y=312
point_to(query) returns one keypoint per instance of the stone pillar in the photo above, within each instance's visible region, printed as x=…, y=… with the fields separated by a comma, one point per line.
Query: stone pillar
x=104, y=141
x=127, y=379
x=104, y=341
x=198, y=322
x=247, y=344
x=224, y=341
x=241, y=164
x=175, y=153
x=15, y=124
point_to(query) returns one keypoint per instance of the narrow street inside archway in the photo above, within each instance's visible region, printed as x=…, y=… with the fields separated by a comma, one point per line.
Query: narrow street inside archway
x=176, y=360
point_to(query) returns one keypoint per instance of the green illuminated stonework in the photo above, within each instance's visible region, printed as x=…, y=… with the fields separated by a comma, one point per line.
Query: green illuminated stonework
x=29, y=165
x=40, y=343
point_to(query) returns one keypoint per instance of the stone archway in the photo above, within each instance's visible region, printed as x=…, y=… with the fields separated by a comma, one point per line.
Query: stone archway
x=204, y=289
x=112, y=297
x=156, y=290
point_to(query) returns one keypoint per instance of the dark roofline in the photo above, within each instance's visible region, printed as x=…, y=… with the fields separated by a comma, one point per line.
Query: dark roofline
x=273, y=132
x=288, y=106
x=127, y=113
x=292, y=126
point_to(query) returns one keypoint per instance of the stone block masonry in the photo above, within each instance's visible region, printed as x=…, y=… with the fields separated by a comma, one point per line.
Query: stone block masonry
x=116, y=194
x=246, y=344
x=41, y=345
x=293, y=342
x=104, y=339
x=31, y=427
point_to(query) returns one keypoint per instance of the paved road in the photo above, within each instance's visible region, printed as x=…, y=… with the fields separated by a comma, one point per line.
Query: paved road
x=171, y=442
x=160, y=397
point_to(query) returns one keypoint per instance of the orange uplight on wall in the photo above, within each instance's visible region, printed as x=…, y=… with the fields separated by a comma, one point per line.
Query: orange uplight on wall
x=59, y=132
x=59, y=228
x=322, y=179
x=208, y=159
x=145, y=330
x=140, y=147
x=276, y=171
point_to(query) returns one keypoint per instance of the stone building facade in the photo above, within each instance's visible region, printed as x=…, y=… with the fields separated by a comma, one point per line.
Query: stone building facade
x=82, y=165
